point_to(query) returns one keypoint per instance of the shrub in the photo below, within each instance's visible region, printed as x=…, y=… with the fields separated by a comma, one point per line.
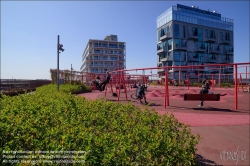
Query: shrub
x=111, y=133
x=226, y=85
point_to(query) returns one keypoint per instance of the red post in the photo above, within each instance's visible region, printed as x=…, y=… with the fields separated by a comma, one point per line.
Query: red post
x=241, y=83
x=246, y=78
x=235, y=88
x=124, y=85
x=166, y=95
x=212, y=82
x=198, y=78
x=118, y=99
x=179, y=77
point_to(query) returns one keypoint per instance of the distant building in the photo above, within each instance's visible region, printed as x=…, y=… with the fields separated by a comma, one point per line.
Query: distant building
x=191, y=36
x=100, y=56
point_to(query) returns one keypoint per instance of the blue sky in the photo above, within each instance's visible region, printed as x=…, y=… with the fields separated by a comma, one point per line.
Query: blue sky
x=29, y=32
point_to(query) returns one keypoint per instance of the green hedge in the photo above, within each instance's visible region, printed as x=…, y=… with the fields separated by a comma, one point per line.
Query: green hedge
x=67, y=88
x=112, y=133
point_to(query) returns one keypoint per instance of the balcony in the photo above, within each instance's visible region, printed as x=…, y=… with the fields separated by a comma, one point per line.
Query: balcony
x=163, y=59
x=228, y=52
x=180, y=47
x=227, y=60
x=223, y=41
x=160, y=51
x=214, y=51
x=165, y=37
x=199, y=49
x=192, y=58
x=210, y=60
x=209, y=39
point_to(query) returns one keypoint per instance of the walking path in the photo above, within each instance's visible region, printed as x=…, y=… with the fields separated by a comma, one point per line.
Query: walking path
x=223, y=129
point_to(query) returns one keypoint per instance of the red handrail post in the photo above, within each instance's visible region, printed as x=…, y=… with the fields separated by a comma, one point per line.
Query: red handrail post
x=246, y=78
x=166, y=96
x=212, y=82
x=198, y=78
x=235, y=87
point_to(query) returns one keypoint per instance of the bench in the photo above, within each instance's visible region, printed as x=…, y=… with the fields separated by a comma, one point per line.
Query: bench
x=202, y=97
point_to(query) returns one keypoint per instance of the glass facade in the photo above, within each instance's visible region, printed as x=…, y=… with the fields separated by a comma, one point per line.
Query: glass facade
x=194, y=37
x=176, y=30
x=195, y=16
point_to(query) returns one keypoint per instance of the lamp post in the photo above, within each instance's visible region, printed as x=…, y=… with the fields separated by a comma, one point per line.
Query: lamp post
x=59, y=48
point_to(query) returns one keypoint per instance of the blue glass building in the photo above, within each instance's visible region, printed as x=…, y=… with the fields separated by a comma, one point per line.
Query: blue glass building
x=191, y=36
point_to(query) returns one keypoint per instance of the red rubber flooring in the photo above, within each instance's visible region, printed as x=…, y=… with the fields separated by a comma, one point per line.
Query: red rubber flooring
x=222, y=128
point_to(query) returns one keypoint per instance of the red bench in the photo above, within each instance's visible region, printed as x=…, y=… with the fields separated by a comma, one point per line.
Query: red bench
x=202, y=97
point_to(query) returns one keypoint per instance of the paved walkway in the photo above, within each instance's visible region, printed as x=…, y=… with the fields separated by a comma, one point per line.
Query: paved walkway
x=224, y=130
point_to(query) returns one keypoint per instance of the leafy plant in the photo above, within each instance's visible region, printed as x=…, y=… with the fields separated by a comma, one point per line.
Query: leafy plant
x=112, y=133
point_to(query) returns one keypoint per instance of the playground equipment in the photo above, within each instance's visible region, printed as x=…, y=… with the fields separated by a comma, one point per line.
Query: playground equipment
x=212, y=81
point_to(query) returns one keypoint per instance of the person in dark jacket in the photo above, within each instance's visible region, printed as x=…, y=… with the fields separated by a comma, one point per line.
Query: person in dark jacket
x=104, y=83
x=140, y=93
x=204, y=90
x=97, y=82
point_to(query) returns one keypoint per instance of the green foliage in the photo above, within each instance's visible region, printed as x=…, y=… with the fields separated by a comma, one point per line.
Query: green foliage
x=195, y=84
x=112, y=133
x=67, y=88
x=226, y=85
x=181, y=83
x=154, y=83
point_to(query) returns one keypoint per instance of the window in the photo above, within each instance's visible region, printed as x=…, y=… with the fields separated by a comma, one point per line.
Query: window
x=176, y=30
x=195, y=55
x=177, y=63
x=200, y=34
x=200, y=57
x=211, y=56
x=163, y=31
x=159, y=46
x=177, y=42
x=177, y=56
x=169, y=44
x=170, y=64
x=200, y=45
x=206, y=47
x=206, y=32
x=184, y=32
x=221, y=35
x=211, y=46
x=159, y=35
x=227, y=57
x=185, y=55
x=183, y=43
x=211, y=34
x=163, y=56
x=168, y=28
x=194, y=31
x=227, y=36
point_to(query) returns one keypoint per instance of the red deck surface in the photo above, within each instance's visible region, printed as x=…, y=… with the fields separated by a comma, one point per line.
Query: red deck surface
x=221, y=126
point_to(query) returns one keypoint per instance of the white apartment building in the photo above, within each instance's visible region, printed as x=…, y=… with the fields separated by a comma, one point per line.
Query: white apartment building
x=100, y=56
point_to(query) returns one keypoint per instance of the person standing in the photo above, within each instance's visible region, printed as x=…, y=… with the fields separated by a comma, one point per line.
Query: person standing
x=140, y=93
